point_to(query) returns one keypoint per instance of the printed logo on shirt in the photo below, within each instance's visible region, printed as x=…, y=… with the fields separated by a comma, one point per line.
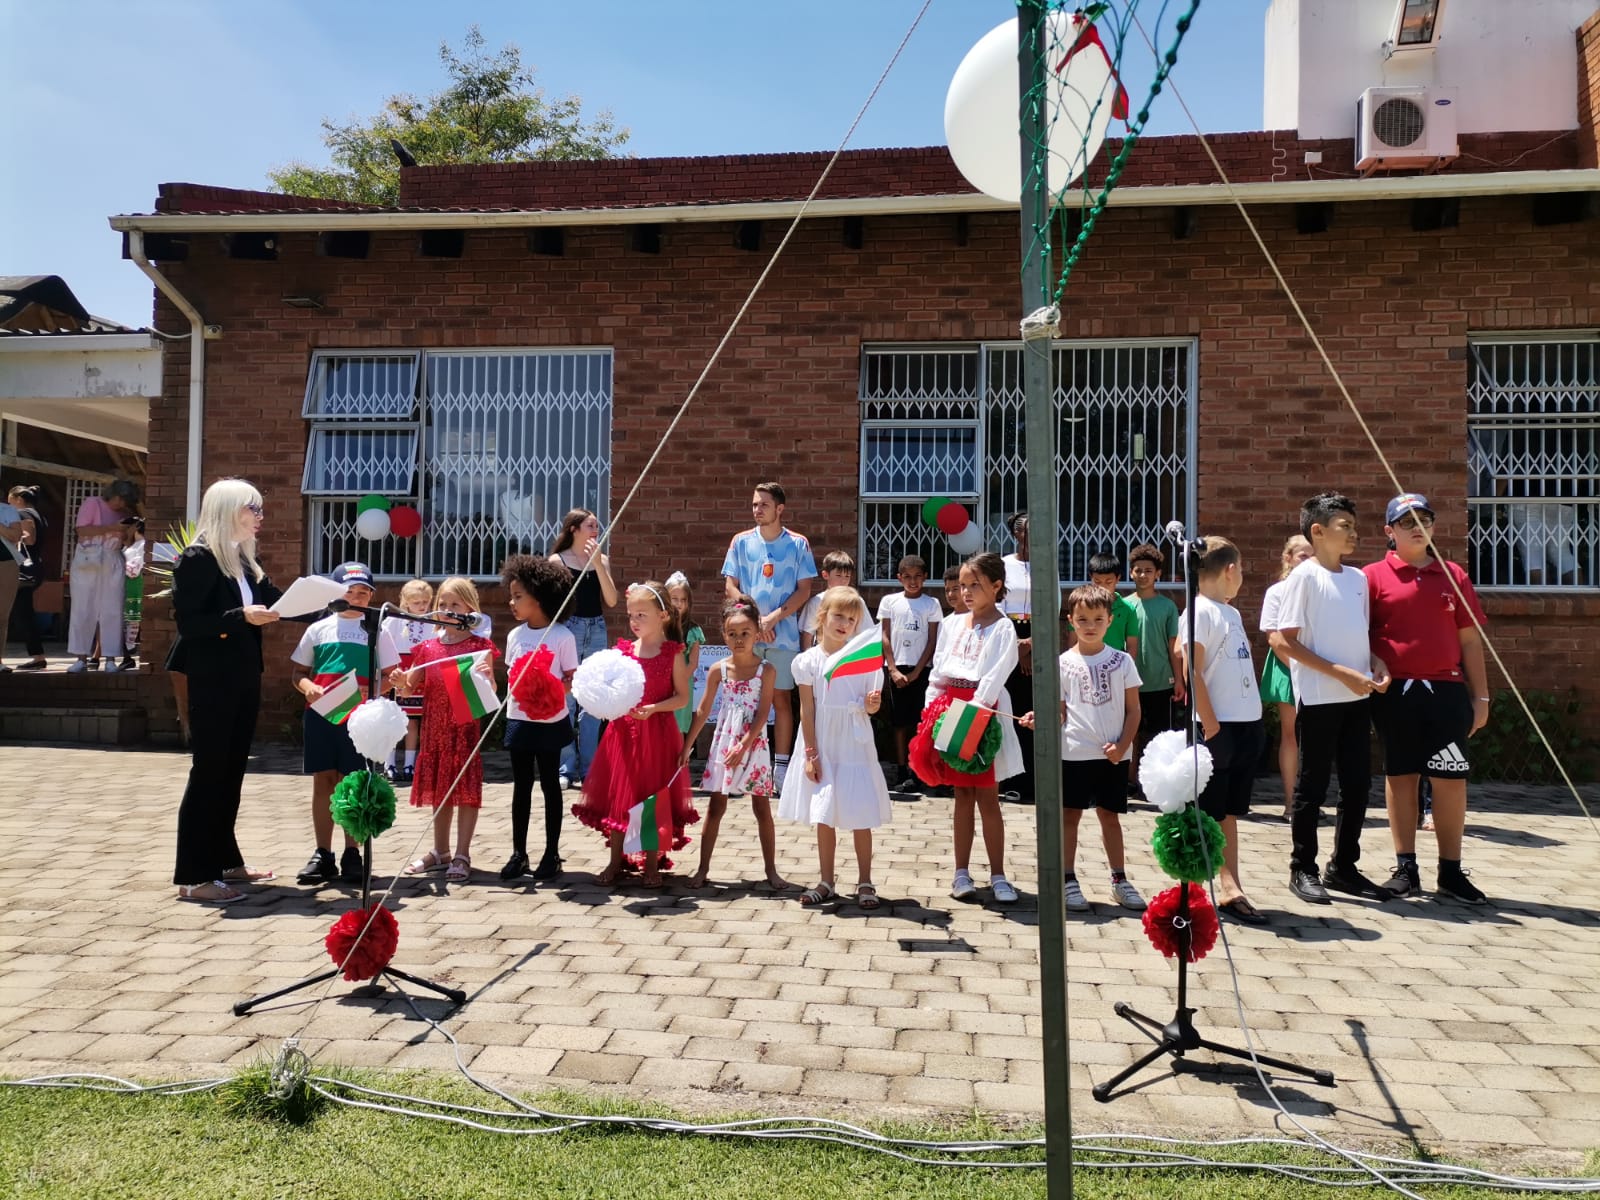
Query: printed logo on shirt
x=1449, y=761
x=1091, y=682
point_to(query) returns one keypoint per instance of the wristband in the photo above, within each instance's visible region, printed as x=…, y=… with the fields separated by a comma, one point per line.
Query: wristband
x=1485, y=699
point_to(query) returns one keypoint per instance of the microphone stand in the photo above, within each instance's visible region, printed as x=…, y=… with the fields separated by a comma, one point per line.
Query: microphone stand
x=1179, y=1036
x=371, y=625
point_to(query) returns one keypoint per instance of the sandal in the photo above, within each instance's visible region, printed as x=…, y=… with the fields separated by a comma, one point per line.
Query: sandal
x=1243, y=911
x=819, y=893
x=867, y=896
x=215, y=892
x=461, y=869
x=431, y=861
x=247, y=874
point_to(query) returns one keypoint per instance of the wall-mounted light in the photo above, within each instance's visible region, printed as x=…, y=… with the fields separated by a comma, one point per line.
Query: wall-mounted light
x=308, y=300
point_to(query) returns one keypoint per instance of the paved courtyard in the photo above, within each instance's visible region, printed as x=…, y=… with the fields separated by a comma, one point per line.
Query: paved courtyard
x=1445, y=1026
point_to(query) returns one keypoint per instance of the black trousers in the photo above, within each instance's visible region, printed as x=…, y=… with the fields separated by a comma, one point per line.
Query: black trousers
x=1333, y=738
x=526, y=766
x=26, y=624
x=222, y=723
x=1019, y=687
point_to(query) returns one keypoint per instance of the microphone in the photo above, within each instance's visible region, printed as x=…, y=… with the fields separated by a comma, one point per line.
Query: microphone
x=339, y=605
x=1176, y=531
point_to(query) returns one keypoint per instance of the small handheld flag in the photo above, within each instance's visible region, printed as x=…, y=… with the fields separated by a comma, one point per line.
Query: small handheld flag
x=339, y=699
x=962, y=728
x=861, y=655
x=471, y=692
x=643, y=835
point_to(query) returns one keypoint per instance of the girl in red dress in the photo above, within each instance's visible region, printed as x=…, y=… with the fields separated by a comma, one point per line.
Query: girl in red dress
x=638, y=755
x=447, y=745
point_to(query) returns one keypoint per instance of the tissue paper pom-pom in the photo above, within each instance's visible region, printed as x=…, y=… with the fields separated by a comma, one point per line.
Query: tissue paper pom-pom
x=988, y=749
x=363, y=805
x=537, y=692
x=608, y=685
x=925, y=761
x=1172, y=772
x=1160, y=922
x=1188, y=845
x=363, y=955
x=376, y=727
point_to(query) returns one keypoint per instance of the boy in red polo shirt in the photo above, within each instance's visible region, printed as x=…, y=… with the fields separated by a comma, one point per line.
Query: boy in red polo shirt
x=1439, y=698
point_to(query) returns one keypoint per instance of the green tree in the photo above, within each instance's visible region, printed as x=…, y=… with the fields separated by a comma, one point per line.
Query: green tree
x=492, y=111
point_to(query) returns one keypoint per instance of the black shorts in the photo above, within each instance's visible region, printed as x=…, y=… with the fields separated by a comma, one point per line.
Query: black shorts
x=1235, y=753
x=1155, y=713
x=538, y=737
x=328, y=747
x=1423, y=728
x=1094, y=783
x=905, y=704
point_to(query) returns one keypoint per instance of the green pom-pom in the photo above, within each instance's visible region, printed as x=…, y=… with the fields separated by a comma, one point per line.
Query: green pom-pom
x=988, y=748
x=363, y=805
x=1188, y=845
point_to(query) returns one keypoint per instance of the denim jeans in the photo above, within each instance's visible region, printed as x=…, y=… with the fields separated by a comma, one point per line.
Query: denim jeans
x=590, y=633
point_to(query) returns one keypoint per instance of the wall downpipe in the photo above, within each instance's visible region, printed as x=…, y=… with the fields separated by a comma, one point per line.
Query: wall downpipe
x=197, y=369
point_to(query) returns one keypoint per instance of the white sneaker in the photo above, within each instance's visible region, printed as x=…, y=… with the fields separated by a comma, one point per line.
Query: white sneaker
x=963, y=888
x=779, y=772
x=1127, y=895
x=1004, y=893
x=1075, y=898
x=565, y=782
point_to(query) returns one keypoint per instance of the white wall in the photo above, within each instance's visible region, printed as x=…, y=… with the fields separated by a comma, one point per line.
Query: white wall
x=1516, y=64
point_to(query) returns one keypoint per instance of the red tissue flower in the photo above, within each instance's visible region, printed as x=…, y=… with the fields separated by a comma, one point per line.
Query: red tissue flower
x=924, y=760
x=533, y=686
x=1161, y=928
x=363, y=955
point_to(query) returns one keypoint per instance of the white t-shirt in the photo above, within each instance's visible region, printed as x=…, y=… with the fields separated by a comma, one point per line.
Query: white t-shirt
x=1272, y=605
x=808, y=615
x=335, y=646
x=1226, y=666
x=1018, y=600
x=1330, y=609
x=563, y=645
x=910, y=623
x=1095, y=690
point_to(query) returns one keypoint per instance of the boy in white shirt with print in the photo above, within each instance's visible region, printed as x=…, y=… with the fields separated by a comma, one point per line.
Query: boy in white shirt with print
x=910, y=620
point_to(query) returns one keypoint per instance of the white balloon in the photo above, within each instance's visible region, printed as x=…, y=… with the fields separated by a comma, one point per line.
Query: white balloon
x=373, y=524
x=969, y=540
x=981, y=121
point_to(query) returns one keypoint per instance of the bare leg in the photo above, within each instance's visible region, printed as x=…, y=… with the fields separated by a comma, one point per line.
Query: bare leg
x=827, y=844
x=761, y=806
x=1069, y=838
x=1400, y=797
x=1449, y=816
x=994, y=828
x=466, y=825
x=902, y=747
x=783, y=721
x=652, y=873
x=322, y=785
x=441, y=831
x=1228, y=885
x=964, y=818
x=863, y=840
x=1111, y=838
x=708, y=837
x=613, y=869
x=1288, y=754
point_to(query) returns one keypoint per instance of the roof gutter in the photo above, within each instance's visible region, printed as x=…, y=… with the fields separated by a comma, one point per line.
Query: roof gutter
x=197, y=368
x=1288, y=191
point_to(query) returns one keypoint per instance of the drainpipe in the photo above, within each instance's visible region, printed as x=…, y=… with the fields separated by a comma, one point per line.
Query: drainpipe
x=197, y=368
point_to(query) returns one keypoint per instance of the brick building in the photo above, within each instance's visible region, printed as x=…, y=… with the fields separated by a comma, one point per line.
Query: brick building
x=511, y=340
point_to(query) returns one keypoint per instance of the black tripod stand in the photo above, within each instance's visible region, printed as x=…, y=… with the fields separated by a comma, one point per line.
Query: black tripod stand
x=371, y=624
x=1179, y=1036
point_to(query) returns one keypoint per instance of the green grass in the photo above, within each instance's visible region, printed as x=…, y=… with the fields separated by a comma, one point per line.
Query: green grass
x=74, y=1143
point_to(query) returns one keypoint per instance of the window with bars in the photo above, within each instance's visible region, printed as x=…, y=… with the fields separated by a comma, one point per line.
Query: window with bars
x=949, y=421
x=1533, y=451
x=493, y=447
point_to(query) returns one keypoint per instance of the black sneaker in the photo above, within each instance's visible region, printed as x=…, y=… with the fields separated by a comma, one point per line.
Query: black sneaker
x=1454, y=882
x=350, y=870
x=549, y=867
x=1353, y=883
x=1404, y=880
x=319, y=868
x=516, y=866
x=1308, y=887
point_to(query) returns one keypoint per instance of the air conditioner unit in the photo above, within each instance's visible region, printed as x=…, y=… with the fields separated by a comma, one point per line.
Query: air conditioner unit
x=1400, y=127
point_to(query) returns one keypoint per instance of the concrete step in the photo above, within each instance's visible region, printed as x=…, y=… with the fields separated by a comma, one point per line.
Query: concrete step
x=103, y=725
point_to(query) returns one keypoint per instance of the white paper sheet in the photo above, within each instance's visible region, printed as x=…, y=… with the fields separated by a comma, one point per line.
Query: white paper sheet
x=308, y=594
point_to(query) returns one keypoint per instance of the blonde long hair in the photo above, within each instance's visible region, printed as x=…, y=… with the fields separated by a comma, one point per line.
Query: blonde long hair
x=218, y=523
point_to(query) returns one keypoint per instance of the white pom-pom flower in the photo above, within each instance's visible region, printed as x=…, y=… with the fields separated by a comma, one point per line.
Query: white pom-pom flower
x=1172, y=772
x=376, y=727
x=608, y=685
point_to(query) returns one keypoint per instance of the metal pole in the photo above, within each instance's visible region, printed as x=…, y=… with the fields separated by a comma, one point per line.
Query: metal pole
x=1043, y=540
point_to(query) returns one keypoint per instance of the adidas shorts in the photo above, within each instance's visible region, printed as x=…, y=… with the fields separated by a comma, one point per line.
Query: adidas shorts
x=1423, y=728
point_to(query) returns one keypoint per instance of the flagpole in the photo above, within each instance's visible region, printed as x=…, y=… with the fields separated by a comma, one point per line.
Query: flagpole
x=1044, y=538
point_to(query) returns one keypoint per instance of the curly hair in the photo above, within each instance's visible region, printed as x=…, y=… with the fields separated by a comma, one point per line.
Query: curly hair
x=546, y=581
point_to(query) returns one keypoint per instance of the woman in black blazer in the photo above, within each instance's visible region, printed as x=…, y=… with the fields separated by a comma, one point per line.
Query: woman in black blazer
x=221, y=598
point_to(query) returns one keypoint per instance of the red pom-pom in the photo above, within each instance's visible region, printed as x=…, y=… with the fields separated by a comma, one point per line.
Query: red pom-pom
x=925, y=761
x=1161, y=928
x=363, y=955
x=534, y=688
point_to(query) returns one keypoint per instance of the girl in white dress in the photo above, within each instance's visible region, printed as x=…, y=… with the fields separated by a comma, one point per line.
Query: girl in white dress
x=842, y=786
x=740, y=759
x=975, y=656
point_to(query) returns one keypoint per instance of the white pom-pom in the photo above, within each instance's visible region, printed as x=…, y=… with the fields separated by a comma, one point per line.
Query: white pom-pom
x=1172, y=772
x=376, y=727
x=608, y=685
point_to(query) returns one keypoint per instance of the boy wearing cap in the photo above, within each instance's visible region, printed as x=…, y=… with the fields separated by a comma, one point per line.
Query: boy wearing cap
x=330, y=649
x=1424, y=625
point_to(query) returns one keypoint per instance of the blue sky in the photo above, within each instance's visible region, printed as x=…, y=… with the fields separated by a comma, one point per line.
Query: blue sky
x=109, y=98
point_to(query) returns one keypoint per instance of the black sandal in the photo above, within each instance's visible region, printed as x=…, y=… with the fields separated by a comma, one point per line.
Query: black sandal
x=1243, y=911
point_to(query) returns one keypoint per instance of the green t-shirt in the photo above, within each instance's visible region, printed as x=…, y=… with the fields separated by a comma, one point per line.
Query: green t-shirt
x=1157, y=626
x=1124, y=624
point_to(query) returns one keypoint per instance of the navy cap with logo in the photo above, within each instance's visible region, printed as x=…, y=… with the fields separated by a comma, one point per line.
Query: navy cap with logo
x=1407, y=502
x=352, y=573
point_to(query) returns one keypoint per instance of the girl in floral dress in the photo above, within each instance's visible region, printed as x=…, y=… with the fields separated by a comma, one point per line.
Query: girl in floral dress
x=638, y=758
x=740, y=760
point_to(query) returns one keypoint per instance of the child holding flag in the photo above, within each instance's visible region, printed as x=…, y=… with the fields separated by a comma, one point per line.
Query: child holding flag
x=840, y=680
x=636, y=792
x=454, y=673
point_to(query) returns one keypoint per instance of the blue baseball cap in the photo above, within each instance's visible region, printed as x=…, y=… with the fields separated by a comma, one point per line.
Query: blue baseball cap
x=352, y=573
x=1407, y=502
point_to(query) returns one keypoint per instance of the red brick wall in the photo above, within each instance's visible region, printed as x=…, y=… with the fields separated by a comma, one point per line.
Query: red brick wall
x=1393, y=307
x=1589, y=92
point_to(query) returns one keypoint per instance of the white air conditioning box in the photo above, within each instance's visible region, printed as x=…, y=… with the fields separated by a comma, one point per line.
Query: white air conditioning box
x=1404, y=127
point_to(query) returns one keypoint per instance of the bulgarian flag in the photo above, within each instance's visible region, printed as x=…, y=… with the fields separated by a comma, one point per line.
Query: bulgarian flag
x=471, y=692
x=861, y=655
x=962, y=727
x=339, y=699
x=644, y=831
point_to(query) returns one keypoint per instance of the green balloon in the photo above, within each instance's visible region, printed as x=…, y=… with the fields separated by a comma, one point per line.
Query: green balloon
x=370, y=501
x=930, y=510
